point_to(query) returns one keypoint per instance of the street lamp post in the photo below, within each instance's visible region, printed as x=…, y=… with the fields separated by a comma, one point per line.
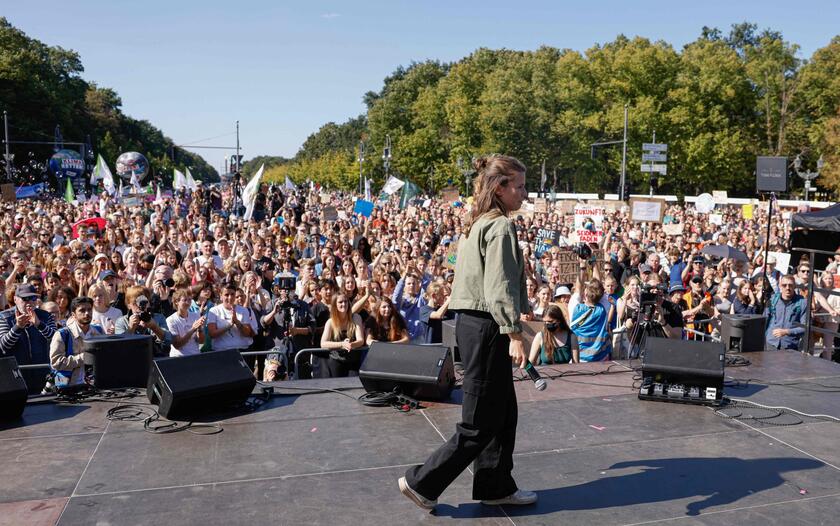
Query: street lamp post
x=806, y=175
x=466, y=171
x=386, y=155
x=361, y=161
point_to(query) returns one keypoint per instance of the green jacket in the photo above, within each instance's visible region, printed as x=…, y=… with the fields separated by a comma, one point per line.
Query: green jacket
x=490, y=273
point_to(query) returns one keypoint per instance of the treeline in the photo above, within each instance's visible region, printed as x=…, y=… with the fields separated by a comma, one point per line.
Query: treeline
x=718, y=103
x=41, y=87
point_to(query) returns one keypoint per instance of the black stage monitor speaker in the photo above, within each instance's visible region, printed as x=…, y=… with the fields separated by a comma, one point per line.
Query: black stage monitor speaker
x=12, y=390
x=199, y=383
x=771, y=174
x=119, y=360
x=743, y=332
x=424, y=372
x=686, y=371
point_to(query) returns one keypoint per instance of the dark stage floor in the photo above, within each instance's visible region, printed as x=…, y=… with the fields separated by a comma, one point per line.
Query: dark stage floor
x=593, y=451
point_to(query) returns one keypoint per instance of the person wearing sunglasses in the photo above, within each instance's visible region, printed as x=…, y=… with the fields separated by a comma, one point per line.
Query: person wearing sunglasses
x=786, y=316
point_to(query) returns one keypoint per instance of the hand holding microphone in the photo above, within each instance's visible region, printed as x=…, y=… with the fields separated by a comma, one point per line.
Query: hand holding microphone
x=539, y=383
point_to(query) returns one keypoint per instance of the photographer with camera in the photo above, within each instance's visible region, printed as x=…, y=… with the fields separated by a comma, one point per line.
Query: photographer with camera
x=291, y=326
x=141, y=320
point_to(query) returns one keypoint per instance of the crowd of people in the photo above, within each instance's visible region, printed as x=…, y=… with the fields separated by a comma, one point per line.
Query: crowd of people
x=195, y=275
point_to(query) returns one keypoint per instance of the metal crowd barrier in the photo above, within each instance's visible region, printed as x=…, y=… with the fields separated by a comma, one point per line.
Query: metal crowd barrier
x=805, y=344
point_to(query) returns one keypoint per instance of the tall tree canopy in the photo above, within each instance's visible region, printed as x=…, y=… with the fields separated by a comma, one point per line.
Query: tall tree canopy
x=718, y=102
x=41, y=87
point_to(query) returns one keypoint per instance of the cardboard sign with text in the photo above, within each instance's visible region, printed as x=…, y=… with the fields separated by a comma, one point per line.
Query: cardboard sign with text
x=720, y=196
x=565, y=207
x=450, y=194
x=673, y=229
x=570, y=264
x=588, y=223
x=540, y=205
x=747, y=211
x=330, y=213
x=647, y=209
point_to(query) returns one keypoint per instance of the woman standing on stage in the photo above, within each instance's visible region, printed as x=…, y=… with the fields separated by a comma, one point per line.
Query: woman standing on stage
x=490, y=295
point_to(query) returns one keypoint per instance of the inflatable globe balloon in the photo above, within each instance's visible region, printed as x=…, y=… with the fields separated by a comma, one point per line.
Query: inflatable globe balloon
x=132, y=164
x=67, y=163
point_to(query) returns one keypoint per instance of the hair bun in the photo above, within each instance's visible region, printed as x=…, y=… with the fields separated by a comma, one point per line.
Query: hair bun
x=480, y=164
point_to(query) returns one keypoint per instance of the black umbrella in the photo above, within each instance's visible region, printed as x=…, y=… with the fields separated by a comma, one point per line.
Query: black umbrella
x=724, y=251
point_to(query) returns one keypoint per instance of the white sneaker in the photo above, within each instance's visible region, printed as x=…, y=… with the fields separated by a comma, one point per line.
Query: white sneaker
x=520, y=498
x=415, y=497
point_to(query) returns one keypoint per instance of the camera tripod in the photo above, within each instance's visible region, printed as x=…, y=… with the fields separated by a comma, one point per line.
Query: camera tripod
x=644, y=327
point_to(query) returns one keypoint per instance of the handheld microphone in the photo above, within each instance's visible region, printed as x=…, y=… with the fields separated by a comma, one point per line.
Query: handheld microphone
x=539, y=383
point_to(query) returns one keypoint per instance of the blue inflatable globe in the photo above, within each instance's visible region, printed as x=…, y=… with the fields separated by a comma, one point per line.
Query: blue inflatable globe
x=67, y=163
x=132, y=163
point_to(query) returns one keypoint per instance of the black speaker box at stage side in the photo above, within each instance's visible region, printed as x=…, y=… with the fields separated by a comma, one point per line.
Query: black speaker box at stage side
x=425, y=372
x=199, y=383
x=119, y=360
x=12, y=390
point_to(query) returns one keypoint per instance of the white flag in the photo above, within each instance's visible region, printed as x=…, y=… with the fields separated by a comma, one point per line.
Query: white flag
x=101, y=171
x=367, y=189
x=392, y=185
x=290, y=185
x=192, y=186
x=178, y=180
x=249, y=193
x=120, y=192
x=158, y=197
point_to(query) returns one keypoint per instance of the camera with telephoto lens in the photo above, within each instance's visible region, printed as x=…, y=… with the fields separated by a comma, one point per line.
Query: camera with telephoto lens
x=582, y=250
x=145, y=314
x=651, y=294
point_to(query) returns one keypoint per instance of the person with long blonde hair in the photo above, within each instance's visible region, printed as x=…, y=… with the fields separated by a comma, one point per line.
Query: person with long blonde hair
x=490, y=295
x=343, y=337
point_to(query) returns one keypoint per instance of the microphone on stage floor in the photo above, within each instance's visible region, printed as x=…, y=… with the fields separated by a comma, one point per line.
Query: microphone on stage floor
x=539, y=383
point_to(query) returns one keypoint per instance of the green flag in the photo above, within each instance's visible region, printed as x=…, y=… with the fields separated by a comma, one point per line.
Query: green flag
x=69, y=196
x=409, y=190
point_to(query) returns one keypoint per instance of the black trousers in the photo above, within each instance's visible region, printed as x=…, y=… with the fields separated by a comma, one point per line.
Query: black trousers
x=487, y=432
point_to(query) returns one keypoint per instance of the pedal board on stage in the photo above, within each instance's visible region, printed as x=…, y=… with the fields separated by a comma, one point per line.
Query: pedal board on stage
x=683, y=371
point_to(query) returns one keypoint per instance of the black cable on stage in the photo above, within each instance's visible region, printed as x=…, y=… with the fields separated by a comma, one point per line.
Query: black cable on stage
x=147, y=415
x=744, y=411
x=394, y=399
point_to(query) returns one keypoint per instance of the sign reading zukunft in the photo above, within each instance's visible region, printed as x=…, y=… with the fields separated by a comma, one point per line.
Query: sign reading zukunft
x=654, y=155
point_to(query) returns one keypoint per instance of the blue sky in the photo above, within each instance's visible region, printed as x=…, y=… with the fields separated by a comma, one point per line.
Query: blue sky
x=284, y=68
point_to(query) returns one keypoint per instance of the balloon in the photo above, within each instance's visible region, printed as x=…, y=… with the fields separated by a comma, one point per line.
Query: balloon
x=67, y=163
x=132, y=163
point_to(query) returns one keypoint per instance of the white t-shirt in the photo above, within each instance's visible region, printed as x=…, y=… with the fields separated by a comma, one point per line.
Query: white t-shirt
x=232, y=339
x=106, y=319
x=179, y=326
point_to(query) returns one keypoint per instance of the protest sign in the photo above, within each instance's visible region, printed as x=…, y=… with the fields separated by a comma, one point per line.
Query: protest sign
x=747, y=211
x=673, y=229
x=540, y=205
x=565, y=207
x=8, y=192
x=588, y=223
x=450, y=194
x=363, y=207
x=325, y=199
x=644, y=209
x=570, y=264
x=545, y=240
x=609, y=206
x=715, y=219
x=330, y=213
x=782, y=260
x=720, y=197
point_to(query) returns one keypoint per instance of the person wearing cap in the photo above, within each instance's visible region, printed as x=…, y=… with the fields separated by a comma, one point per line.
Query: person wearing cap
x=562, y=295
x=773, y=274
x=25, y=334
x=673, y=311
x=700, y=307
x=696, y=269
